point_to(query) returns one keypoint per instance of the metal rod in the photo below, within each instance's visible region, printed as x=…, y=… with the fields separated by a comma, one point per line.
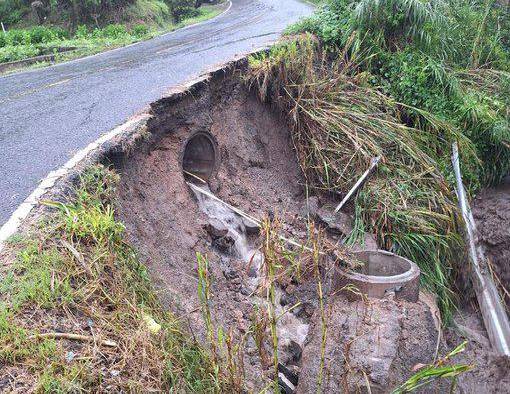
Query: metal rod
x=373, y=163
x=494, y=315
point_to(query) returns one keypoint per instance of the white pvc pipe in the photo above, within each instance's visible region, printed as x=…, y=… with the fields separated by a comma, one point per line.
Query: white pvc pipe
x=493, y=314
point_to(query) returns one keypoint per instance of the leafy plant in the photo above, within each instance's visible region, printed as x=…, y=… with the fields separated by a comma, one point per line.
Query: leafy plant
x=441, y=369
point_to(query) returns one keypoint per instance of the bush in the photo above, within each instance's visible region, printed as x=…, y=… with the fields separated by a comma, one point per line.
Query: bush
x=182, y=9
x=18, y=37
x=12, y=11
x=3, y=40
x=12, y=53
x=114, y=31
x=81, y=32
x=42, y=34
x=140, y=30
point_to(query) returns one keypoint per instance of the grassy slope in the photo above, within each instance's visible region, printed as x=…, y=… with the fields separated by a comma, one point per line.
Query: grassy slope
x=76, y=275
x=439, y=70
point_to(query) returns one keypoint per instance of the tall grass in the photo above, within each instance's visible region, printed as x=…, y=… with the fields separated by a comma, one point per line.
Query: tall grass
x=339, y=124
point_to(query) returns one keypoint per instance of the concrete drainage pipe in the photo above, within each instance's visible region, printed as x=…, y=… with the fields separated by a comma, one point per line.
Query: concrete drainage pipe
x=199, y=157
x=382, y=273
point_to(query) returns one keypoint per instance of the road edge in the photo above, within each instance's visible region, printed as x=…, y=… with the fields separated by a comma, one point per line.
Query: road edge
x=92, y=152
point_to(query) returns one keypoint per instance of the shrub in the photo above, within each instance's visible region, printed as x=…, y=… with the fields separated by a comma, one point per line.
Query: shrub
x=182, y=9
x=11, y=11
x=18, y=37
x=114, y=31
x=82, y=32
x=11, y=53
x=41, y=34
x=140, y=30
x=3, y=40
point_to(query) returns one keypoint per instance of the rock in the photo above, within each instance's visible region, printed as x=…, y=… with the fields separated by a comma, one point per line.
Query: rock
x=288, y=299
x=337, y=223
x=251, y=228
x=310, y=207
x=224, y=244
x=295, y=352
x=305, y=310
x=216, y=229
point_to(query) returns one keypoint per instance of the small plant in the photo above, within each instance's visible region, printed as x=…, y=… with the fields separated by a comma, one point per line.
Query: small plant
x=114, y=31
x=140, y=30
x=82, y=32
x=441, y=369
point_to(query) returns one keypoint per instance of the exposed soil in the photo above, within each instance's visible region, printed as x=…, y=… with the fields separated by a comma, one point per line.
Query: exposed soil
x=257, y=174
x=492, y=214
x=379, y=342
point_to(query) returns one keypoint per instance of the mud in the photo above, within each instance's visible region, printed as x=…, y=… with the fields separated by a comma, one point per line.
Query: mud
x=379, y=342
x=257, y=174
x=491, y=210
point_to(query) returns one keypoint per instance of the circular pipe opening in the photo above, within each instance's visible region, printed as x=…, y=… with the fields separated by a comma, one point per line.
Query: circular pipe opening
x=199, y=157
x=382, y=273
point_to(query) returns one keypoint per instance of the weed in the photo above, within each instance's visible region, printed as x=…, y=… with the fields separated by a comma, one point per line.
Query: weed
x=441, y=369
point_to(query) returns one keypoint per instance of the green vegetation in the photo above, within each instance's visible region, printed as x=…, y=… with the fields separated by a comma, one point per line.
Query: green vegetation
x=441, y=369
x=137, y=21
x=71, y=13
x=400, y=79
x=76, y=276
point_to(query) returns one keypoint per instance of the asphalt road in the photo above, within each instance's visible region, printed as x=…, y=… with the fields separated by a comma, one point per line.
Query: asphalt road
x=47, y=115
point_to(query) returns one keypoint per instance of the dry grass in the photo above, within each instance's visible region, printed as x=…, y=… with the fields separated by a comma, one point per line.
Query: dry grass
x=339, y=124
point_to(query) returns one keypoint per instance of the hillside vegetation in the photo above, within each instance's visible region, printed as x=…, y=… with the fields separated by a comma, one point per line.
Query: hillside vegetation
x=88, y=27
x=400, y=79
x=71, y=13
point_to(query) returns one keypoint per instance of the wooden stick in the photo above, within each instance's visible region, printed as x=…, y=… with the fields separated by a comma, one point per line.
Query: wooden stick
x=373, y=164
x=494, y=315
x=73, y=337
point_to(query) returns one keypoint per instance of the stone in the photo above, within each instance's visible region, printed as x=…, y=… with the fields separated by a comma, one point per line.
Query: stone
x=310, y=207
x=216, y=229
x=251, y=228
x=337, y=223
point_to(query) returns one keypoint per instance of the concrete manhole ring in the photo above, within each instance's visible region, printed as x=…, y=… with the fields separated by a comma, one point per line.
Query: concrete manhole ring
x=383, y=273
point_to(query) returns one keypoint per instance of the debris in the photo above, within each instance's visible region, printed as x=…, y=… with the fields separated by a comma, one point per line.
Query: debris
x=337, y=223
x=72, y=337
x=153, y=327
x=70, y=356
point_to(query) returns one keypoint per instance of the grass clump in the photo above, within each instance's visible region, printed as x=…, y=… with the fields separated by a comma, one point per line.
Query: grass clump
x=400, y=79
x=77, y=276
x=339, y=124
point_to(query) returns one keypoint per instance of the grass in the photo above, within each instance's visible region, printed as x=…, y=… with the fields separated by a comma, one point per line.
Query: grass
x=441, y=369
x=76, y=275
x=100, y=40
x=339, y=124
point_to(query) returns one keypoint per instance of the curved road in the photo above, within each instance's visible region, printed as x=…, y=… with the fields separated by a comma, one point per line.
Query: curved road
x=47, y=115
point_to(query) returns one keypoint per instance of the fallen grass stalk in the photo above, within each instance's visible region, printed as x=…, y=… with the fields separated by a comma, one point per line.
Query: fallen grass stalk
x=73, y=337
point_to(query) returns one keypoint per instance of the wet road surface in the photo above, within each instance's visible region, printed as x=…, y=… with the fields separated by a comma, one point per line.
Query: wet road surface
x=47, y=115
